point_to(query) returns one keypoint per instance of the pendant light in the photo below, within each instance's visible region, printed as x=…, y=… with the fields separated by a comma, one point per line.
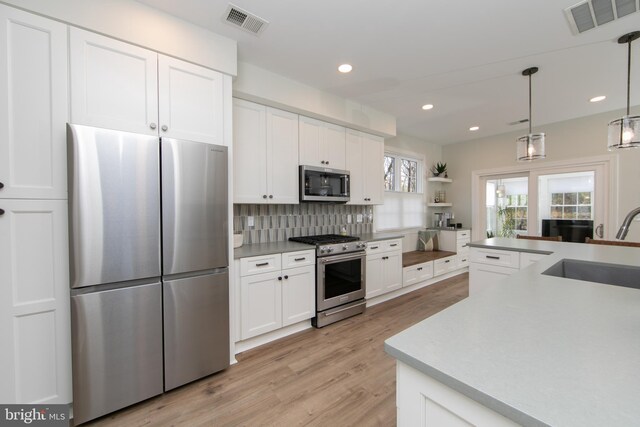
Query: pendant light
x=625, y=131
x=531, y=146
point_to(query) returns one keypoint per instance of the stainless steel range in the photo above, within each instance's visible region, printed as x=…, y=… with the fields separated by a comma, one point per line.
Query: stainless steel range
x=340, y=277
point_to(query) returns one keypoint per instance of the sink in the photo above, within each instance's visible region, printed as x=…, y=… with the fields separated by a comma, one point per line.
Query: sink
x=609, y=274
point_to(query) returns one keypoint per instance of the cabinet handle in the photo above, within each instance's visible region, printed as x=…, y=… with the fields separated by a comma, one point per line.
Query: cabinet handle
x=327, y=162
x=165, y=128
x=271, y=196
x=385, y=257
x=1, y=212
x=373, y=247
x=152, y=125
x=492, y=257
x=395, y=244
x=286, y=277
x=322, y=162
x=300, y=259
x=262, y=264
x=1, y=186
x=419, y=268
x=448, y=260
x=279, y=277
x=264, y=196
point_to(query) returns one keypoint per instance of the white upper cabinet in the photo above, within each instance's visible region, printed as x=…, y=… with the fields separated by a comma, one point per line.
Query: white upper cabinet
x=364, y=160
x=33, y=106
x=322, y=144
x=191, y=100
x=265, y=150
x=114, y=84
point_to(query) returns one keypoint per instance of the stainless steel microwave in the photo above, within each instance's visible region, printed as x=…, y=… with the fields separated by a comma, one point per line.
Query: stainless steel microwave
x=324, y=185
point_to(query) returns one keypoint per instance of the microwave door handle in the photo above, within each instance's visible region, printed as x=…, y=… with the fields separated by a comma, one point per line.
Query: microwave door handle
x=345, y=184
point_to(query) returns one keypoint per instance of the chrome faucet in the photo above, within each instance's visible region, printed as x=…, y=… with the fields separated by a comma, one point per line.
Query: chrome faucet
x=624, y=229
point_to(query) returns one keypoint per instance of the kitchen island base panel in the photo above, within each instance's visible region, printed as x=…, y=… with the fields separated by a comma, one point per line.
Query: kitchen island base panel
x=423, y=401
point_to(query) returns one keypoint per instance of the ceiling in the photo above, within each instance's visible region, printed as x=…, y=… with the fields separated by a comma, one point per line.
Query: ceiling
x=465, y=57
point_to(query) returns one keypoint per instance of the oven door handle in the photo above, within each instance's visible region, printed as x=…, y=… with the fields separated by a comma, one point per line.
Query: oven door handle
x=339, y=258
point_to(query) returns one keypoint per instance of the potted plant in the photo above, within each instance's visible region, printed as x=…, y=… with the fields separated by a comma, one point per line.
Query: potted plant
x=439, y=169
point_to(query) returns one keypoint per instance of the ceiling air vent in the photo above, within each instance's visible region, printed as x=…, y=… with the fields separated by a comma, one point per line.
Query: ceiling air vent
x=590, y=14
x=245, y=20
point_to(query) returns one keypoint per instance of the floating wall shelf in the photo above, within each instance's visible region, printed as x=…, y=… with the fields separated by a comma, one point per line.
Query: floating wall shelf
x=438, y=179
x=439, y=205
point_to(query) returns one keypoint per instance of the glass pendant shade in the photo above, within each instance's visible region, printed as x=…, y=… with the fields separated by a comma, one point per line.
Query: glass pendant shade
x=530, y=147
x=624, y=133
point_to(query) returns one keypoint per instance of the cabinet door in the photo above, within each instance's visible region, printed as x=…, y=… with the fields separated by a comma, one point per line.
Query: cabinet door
x=354, y=163
x=249, y=152
x=373, y=154
x=114, y=85
x=374, y=277
x=191, y=101
x=484, y=275
x=282, y=156
x=310, y=131
x=33, y=106
x=298, y=294
x=35, y=362
x=392, y=271
x=332, y=145
x=261, y=300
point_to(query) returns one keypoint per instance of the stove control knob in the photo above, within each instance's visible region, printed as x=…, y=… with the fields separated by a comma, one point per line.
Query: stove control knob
x=322, y=250
x=345, y=247
x=330, y=250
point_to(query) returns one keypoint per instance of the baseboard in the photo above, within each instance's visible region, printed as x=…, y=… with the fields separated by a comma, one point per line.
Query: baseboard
x=272, y=336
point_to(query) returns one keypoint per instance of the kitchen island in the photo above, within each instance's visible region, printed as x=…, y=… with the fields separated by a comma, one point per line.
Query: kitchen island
x=531, y=349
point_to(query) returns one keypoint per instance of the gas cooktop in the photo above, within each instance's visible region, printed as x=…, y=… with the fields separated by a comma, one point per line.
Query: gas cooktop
x=324, y=239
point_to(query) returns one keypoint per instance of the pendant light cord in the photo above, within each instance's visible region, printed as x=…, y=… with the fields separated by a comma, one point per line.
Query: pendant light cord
x=629, y=77
x=530, y=104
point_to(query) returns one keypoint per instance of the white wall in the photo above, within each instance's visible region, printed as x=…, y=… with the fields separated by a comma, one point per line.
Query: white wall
x=264, y=87
x=139, y=24
x=583, y=137
x=432, y=153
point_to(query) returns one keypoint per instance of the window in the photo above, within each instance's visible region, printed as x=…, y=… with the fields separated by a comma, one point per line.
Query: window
x=571, y=205
x=404, y=205
x=401, y=173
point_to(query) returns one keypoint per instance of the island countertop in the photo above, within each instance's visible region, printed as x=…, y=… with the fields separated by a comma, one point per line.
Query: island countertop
x=538, y=349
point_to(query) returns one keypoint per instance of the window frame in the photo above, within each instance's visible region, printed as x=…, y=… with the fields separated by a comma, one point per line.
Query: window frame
x=397, y=172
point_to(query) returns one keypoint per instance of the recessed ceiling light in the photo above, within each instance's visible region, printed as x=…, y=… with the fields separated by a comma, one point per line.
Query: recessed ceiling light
x=345, y=68
x=427, y=106
x=598, y=98
x=474, y=128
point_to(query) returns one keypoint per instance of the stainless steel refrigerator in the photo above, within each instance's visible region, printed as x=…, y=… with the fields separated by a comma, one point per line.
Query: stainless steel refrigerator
x=149, y=266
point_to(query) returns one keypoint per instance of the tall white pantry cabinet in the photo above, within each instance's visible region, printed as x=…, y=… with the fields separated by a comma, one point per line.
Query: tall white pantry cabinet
x=35, y=356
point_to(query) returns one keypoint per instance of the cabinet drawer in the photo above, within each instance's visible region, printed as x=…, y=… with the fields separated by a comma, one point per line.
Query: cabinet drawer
x=417, y=273
x=384, y=246
x=528, y=258
x=298, y=259
x=462, y=235
x=259, y=264
x=425, y=271
x=444, y=265
x=495, y=257
x=462, y=248
x=462, y=260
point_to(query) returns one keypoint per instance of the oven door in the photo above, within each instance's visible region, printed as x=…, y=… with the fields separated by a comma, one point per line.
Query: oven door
x=340, y=279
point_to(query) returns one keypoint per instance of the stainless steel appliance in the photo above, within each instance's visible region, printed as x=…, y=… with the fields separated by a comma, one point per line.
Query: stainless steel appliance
x=324, y=185
x=340, y=277
x=149, y=266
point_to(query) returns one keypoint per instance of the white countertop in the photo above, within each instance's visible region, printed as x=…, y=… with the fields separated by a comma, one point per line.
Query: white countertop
x=539, y=349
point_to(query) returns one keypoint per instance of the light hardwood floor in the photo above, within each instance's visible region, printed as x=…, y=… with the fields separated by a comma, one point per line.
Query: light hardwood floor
x=335, y=376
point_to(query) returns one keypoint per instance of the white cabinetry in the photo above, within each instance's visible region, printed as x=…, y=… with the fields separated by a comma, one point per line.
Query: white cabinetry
x=275, y=291
x=528, y=258
x=35, y=360
x=456, y=241
x=33, y=106
x=417, y=273
x=364, y=161
x=423, y=401
x=490, y=265
x=265, y=154
x=322, y=144
x=384, y=267
x=119, y=86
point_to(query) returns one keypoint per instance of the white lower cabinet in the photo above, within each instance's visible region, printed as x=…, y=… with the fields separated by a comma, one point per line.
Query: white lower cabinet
x=384, y=267
x=274, y=298
x=490, y=265
x=444, y=265
x=35, y=361
x=417, y=273
x=423, y=401
x=528, y=258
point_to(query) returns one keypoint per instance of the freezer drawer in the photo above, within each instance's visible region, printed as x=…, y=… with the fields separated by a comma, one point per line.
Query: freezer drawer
x=196, y=327
x=194, y=206
x=114, y=206
x=116, y=348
